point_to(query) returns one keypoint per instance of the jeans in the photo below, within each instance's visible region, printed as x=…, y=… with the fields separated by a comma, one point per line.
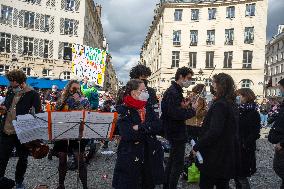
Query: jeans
x=7, y=144
x=175, y=164
x=207, y=182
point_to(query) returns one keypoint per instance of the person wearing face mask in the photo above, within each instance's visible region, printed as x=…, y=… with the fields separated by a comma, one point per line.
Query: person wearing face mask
x=71, y=99
x=276, y=137
x=51, y=98
x=249, y=132
x=175, y=111
x=20, y=100
x=139, y=161
x=219, y=142
x=143, y=72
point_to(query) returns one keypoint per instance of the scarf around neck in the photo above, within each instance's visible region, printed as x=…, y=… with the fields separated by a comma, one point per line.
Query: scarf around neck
x=133, y=103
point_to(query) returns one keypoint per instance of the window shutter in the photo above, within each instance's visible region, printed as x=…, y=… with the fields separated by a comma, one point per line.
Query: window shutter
x=63, y=4
x=20, y=45
x=21, y=18
x=76, y=24
x=15, y=17
x=61, y=25
x=14, y=43
x=36, y=47
x=42, y=22
x=77, y=5
x=37, y=21
x=40, y=49
x=51, y=24
x=60, y=50
x=50, y=50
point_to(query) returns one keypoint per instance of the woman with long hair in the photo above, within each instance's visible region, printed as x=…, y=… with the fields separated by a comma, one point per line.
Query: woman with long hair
x=218, y=143
x=71, y=99
x=139, y=161
x=249, y=129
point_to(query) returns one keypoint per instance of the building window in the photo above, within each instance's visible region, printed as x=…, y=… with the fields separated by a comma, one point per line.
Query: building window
x=192, y=59
x=247, y=59
x=6, y=14
x=5, y=42
x=230, y=13
x=29, y=20
x=208, y=82
x=45, y=49
x=210, y=37
x=229, y=36
x=27, y=71
x=282, y=55
x=193, y=37
x=67, y=51
x=228, y=58
x=249, y=35
x=4, y=69
x=194, y=14
x=67, y=75
x=209, y=59
x=175, y=59
x=28, y=46
x=68, y=26
x=176, y=37
x=276, y=80
x=246, y=83
x=178, y=15
x=46, y=23
x=250, y=9
x=212, y=13
x=281, y=68
x=46, y=72
x=277, y=70
x=70, y=5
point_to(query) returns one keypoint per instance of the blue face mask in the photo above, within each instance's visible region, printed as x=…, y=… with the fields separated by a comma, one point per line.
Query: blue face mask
x=238, y=100
x=282, y=93
x=17, y=89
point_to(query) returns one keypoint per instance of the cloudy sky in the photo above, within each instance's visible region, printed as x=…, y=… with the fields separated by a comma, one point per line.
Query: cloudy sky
x=126, y=23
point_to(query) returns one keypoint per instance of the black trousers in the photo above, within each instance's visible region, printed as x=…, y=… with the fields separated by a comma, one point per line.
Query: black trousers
x=207, y=182
x=7, y=144
x=175, y=164
x=278, y=165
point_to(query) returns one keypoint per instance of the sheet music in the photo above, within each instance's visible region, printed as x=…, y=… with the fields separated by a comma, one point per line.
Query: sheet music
x=62, y=123
x=101, y=123
x=29, y=127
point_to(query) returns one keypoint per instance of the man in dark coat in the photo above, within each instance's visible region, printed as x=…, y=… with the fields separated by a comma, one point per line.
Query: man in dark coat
x=276, y=136
x=175, y=112
x=20, y=100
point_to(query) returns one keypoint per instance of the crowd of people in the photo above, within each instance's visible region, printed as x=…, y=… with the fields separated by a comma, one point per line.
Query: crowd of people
x=224, y=130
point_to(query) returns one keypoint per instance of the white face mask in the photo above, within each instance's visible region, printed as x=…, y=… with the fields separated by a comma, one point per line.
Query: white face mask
x=186, y=83
x=144, y=96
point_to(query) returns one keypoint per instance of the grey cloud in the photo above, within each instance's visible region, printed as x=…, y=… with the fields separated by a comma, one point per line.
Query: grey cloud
x=126, y=23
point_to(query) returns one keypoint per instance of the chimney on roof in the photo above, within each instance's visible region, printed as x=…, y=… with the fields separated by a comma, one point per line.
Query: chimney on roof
x=99, y=10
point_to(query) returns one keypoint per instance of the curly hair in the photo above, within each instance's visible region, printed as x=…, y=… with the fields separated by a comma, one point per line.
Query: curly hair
x=17, y=75
x=225, y=87
x=198, y=88
x=140, y=70
x=132, y=85
x=184, y=71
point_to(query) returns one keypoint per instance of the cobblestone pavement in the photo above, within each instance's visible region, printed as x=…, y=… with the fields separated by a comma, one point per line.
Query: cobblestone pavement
x=101, y=168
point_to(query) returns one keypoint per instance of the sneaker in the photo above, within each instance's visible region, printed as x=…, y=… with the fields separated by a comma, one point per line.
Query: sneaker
x=20, y=186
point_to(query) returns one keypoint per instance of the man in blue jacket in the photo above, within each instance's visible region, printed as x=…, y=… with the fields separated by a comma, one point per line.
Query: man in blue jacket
x=175, y=112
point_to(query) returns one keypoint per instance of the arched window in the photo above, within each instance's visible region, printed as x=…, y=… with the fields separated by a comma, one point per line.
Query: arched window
x=27, y=71
x=246, y=83
x=66, y=75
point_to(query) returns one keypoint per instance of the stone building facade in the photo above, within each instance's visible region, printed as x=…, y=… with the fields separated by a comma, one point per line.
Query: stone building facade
x=229, y=36
x=274, y=64
x=36, y=35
